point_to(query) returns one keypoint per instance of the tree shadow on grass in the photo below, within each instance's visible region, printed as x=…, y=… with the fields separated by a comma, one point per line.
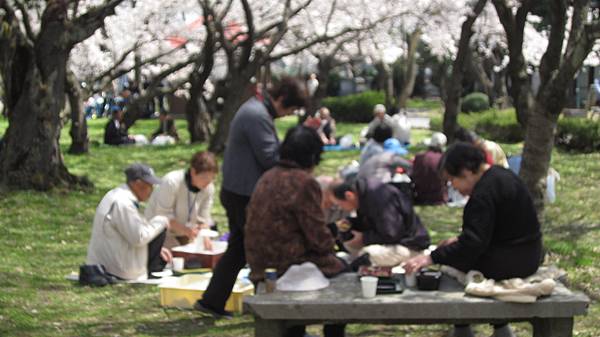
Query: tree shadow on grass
x=572, y=231
x=192, y=326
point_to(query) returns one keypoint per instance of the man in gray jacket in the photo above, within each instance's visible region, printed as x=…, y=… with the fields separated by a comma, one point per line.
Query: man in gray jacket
x=252, y=148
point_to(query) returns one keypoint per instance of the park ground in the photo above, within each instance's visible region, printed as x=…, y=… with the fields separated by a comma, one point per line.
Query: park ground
x=44, y=236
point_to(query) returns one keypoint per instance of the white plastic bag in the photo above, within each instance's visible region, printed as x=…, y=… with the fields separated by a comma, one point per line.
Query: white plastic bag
x=551, y=179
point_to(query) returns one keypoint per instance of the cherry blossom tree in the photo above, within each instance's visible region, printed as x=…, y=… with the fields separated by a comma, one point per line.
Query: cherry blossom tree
x=263, y=27
x=573, y=33
x=35, y=43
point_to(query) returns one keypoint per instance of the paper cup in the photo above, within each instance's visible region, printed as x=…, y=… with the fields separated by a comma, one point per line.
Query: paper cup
x=369, y=286
x=178, y=263
x=410, y=280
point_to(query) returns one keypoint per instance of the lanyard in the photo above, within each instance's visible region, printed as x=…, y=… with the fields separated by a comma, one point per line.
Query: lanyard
x=191, y=205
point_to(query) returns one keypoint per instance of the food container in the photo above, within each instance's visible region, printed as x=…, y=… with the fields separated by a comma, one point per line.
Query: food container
x=182, y=292
x=429, y=279
x=202, y=258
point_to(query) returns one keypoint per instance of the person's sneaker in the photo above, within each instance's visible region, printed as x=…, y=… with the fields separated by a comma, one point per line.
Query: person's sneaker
x=91, y=275
x=203, y=307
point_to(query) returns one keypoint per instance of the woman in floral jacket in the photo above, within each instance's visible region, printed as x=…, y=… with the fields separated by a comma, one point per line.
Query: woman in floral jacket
x=285, y=224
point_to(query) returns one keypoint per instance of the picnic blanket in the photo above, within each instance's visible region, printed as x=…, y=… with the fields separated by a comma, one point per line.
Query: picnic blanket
x=519, y=290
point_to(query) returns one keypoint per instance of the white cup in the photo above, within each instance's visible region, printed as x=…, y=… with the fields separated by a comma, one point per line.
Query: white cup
x=178, y=263
x=369, y=286
x=410, y=280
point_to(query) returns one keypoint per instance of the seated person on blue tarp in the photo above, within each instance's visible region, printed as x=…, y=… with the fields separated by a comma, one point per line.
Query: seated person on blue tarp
x=374, y=145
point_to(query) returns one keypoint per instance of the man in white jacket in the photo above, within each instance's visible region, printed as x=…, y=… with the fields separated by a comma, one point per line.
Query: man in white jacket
x=186, y=197
x=128, y=245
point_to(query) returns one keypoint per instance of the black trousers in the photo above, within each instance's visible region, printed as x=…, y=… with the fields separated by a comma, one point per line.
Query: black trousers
x=234, y=258
x=155, y=262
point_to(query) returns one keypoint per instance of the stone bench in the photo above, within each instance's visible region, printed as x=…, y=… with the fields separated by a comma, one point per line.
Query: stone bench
x=341, y=302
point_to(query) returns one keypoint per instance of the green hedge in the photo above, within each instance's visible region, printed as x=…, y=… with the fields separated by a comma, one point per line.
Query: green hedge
x=574, y=134
x=357, y=108
x=496, y=125
x=578, y=134
x=475, y=102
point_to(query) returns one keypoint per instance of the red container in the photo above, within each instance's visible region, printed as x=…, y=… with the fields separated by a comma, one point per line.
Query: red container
x=206, y=260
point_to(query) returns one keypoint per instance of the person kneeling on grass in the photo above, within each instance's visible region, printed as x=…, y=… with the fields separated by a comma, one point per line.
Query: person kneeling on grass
x=500, y=235
x=186, y=196
x=125, y=244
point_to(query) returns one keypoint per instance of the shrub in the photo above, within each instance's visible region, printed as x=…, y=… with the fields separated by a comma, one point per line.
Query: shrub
x=475, y=102
x=496, y=125
x=578, y=134
x=357, y=108
x=500, y=125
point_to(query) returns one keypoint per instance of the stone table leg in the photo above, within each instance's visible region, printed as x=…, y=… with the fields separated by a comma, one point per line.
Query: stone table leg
x=552, y=327
x=268, y=328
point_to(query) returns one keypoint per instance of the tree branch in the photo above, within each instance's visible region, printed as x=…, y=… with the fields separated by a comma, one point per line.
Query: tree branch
x=264, y=31
x=330, y=15
x=248, y=43
x=551, y=58
x=110, y=75
x=221, y=15
x=86, y=24
x=26, y=20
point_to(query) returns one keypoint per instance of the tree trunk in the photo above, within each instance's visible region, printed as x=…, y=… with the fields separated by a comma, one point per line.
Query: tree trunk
x=324, y=67
x=410, y=75
x=454, y=85
x=31, y=155
x=480, y=73
x=197, y=116
x=520, y=88
x=385, y=82
x=78, y=132
x=537, y=152
x=233, y=100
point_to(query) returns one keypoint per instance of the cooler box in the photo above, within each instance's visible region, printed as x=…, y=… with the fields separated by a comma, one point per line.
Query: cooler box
x=195, y=252
x=182, y=292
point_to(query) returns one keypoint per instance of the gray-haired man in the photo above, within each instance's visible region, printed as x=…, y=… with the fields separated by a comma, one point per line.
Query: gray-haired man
x=128, y=245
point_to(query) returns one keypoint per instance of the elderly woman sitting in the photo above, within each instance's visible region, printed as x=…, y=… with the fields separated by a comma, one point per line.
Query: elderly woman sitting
x=285, y=223
x=500, y=235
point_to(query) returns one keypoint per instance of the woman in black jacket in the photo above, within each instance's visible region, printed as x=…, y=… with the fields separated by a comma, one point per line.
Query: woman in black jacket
x=500, y=235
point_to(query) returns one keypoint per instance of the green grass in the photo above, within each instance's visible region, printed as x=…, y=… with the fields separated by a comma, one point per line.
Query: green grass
x=44, y=237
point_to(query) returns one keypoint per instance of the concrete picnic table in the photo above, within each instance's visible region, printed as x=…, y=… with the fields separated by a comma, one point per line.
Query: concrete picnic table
x=342, y=302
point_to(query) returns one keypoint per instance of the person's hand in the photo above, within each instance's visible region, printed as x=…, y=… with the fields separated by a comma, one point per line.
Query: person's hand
x=448, y=241
x=208, y=245
x=357, y=241
x=343, y=225
x=416, y=263
x=166, y=255
x=312, y=122
x=192, y=233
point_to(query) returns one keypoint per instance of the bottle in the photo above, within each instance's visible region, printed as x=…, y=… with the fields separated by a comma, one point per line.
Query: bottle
x=270, y=280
